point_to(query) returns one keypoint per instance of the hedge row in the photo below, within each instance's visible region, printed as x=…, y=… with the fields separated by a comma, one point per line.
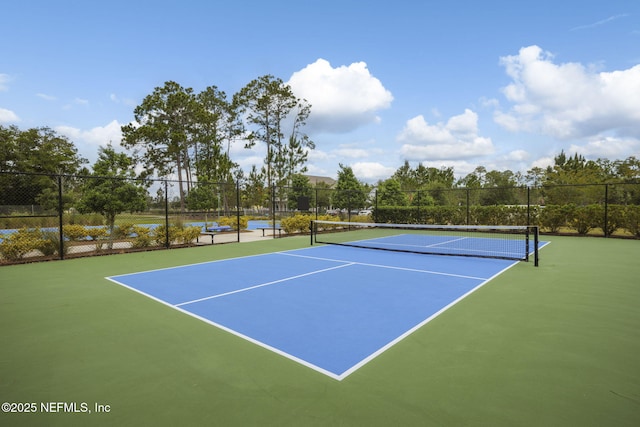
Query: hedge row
x=300, y=223
x=551, y=218
x=24, y=241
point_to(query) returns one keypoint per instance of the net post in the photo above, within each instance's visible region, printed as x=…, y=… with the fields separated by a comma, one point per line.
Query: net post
x=311, y=231
x=526, y=245
x=536, y=237
x=60, y=219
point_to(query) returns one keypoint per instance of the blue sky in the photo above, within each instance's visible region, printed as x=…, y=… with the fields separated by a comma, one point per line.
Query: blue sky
x=503, y=84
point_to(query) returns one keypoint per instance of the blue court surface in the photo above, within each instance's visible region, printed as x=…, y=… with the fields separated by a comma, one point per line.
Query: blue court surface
x=330, y=308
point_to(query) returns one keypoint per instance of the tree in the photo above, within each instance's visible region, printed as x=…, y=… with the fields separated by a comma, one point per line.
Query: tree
x=111, y=190
x=406, y=177
x=296, y=153
x=628, y=170
x=499, y=188
x=475, y=179
x=390, y=194
x=267, y=104
x=570, y=180
x=218, y=125
x=300, y=187
x=254, y=189
x=350, y=193
x=40, y=151
x=164, y=128
x=323, y=193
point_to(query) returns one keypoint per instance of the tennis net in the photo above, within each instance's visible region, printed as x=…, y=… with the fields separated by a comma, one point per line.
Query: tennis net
x=502, y=242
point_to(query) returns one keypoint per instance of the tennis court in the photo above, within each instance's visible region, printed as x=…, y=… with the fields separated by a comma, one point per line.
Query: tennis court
x=331, y=308
x=552, y=345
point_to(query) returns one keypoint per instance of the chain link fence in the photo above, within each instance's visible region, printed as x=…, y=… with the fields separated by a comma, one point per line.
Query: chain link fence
x=58, y=216
x=610, y=210
x=46, y=217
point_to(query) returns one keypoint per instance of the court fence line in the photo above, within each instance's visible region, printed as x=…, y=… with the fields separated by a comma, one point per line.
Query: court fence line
x=45, y=216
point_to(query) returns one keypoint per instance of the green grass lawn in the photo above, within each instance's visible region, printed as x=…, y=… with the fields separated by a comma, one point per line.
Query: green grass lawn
x=557, y=345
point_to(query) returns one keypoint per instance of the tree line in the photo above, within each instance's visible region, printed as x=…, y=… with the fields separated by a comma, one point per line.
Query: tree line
x=179, y=133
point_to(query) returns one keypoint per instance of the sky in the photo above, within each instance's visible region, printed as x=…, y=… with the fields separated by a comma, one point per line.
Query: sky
x=458, y=83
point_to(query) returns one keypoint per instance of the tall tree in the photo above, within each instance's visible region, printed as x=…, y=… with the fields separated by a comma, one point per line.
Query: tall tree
x=350, y=193
x=254, y=188
x=406, y=177
x=296, y=153
x=112, y=189
x=390, y=193
x=218, y=125
x=164, y=128
x=300, y=187
x=36, y=150
x=267, y=104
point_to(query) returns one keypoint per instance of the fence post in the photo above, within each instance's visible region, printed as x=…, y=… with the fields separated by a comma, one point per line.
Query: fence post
x=166, y=213
x=375, y=211
x=468, y=209
x=238, y=207
x=606, y=210
x=528, y=205
x=60, y=209
x=273, y=209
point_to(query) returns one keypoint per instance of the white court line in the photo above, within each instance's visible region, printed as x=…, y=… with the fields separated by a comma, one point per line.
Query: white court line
x=381, y=242
x=338, y=377
x=233, y=332
x=263, y=284
x=439, y=273
x=419, y=325
x=442, y=244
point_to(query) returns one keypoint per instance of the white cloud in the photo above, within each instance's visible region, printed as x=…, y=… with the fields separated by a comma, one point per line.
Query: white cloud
x=601, y=22
x=456, y=139
x=543, y=162
x=518, y=156
x=46, y=97
x=117, y=100
x=8, y=116
x=354, y=153
x=607, y=147
x=371, y=171
x=4, y=80
x=568, y=101
x=343, y=98
x=98, y=136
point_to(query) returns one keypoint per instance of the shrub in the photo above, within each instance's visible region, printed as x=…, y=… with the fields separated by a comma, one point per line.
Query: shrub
x=51, y=243
x=142, y=236
x=615, y=219
x=299, y=223
x=552, y=217
x=631, y=220
x=74, y=232
x=160, y=235
x=96, y=234
x=16, y=245
x=188, y=234
x=232, y=221
x=123, y=230
x=585, y=218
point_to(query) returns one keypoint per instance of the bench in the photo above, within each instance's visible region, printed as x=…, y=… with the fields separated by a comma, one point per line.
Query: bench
x=270, y=228
x=207, y=233
x=216, y=228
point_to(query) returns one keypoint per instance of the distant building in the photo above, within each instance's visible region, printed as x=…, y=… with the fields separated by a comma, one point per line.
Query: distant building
x=314, y=180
